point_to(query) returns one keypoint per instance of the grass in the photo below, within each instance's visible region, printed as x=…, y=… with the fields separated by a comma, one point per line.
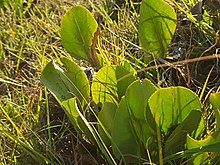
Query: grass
x=33, y=127
x=28, y=42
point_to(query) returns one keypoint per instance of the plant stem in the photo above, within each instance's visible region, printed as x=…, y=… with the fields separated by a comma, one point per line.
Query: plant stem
x=160, y=151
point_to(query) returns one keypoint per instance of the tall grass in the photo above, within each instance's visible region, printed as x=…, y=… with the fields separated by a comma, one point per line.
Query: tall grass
x=29, y=39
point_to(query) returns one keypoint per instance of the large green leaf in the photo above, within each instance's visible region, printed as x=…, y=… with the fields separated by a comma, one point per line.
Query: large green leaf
x=67, y=82
x=106, y=86
x=171, y=106
x=131, y=130
x=78, y=30
x=157, y=26
x=124, y=138
x=215, y=101
x=136, y=97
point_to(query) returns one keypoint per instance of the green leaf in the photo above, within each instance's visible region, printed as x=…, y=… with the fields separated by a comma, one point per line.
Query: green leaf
x=81, y=123
x=80, y=85
x=129, y=67
x=209, y=148
x=215, y=101
x=137, y=96
x=171, y=106
x=72, y=111
x=131, y=130
x=106, y=86
x=157, y=26
x=124, y=139
x=106, y=117
x=199, y=148
x=67, y=82
x=52, y=78
x=209, y=140
x=176, y=141
x=78, y=30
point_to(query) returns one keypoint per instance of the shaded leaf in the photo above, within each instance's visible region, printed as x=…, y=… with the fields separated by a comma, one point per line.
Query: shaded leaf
x=176, y=141
x=124, y=139
x=137, y=96
x=106, y=116
x=66, y=82
x=129, y=67
x=131, y=130
x=72, y=111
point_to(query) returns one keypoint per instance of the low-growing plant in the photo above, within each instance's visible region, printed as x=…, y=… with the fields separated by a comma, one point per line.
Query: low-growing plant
x=135, y=121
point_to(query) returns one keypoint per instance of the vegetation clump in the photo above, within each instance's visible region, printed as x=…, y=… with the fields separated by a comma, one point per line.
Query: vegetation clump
x=115, y=82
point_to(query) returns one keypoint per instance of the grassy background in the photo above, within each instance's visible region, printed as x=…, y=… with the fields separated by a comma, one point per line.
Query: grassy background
x=33, y=128
x=28, y=40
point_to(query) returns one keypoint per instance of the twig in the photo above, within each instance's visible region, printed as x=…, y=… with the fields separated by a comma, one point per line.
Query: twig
x=173, y=64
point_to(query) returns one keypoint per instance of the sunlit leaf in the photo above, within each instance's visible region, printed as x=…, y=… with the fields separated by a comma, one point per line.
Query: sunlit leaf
x=215, y=101
x=106, y=86
x=157, y=26
x=200, y=148
x=171, y=106
x=72, y=111
x=78, y=29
